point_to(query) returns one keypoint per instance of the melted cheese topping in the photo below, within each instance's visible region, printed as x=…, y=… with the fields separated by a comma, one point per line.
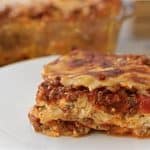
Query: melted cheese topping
x=92, y=83
x=77, y=70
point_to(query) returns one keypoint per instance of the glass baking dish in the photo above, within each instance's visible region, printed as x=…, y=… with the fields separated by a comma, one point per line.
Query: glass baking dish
x=28, y=31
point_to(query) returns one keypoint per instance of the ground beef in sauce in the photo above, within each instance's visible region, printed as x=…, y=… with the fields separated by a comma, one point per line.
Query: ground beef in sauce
x=122, y=100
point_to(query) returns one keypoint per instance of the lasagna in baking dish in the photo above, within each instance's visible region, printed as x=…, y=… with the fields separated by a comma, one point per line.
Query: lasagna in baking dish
x=32, y=28
x=85, y=91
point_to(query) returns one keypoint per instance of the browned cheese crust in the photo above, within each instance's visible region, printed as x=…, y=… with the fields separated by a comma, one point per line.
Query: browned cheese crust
x=93, y=70
x=100, y=92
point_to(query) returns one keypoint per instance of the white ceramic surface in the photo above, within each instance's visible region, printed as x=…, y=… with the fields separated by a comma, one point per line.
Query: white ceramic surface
x=18, y=85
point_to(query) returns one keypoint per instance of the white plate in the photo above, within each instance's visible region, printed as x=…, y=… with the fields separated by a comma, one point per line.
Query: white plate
x=18, y=85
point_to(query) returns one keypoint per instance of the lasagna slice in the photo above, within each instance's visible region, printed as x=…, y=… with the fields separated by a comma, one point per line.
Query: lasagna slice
x=85, y=91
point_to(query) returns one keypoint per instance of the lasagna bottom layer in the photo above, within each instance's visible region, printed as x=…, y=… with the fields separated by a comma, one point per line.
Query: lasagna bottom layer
x=58, y=127
x=83, y=117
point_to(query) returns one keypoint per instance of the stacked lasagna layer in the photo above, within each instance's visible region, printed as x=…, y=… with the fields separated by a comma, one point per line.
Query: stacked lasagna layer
x=86, y=91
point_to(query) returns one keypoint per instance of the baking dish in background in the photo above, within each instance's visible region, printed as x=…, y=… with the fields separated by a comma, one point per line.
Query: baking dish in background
x=29, y=29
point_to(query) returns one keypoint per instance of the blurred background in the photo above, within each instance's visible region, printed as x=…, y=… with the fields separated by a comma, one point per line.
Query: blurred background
x=135, y=31
x=35, y=28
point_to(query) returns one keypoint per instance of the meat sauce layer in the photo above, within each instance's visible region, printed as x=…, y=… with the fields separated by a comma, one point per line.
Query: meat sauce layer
x=119, y=101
